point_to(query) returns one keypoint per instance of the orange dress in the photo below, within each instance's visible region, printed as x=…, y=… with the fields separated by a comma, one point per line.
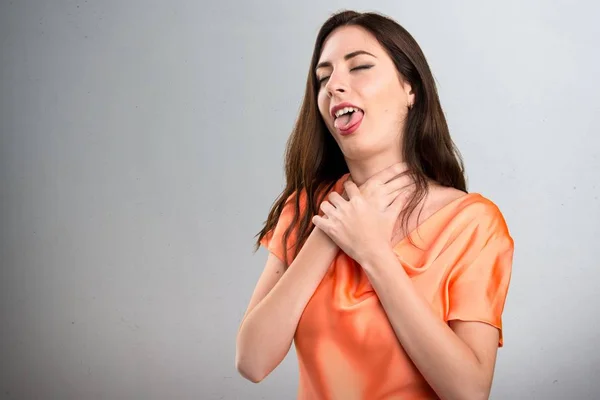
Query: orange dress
x=461, y=261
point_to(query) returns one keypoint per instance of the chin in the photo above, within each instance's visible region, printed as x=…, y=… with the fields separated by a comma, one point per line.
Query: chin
x=364, y=149
x=360, y=151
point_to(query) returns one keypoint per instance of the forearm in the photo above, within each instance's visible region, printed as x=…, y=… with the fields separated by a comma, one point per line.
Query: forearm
x=447, y=363
x=267, y=332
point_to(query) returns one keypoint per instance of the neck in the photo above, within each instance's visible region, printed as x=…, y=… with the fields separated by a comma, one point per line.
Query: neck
x=362, y=170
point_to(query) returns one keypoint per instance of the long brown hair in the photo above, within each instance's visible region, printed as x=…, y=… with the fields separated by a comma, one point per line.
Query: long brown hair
x=314, y=161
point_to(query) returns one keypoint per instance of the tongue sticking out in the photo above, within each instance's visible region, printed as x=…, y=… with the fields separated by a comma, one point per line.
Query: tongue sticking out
x=348, y=120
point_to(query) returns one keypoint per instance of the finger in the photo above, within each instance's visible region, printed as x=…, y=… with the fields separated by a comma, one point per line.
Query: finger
x=398, y=184
x=345, y=195
x=390, y=197
x=320, y=222
x=397, y=205
x=336, y=199
x=327, y=208
x=389, y=173
x=403, y=194
x=352, y=190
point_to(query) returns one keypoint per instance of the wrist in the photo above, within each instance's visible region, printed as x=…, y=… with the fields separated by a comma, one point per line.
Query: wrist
x=323, y=238
x=376, y=255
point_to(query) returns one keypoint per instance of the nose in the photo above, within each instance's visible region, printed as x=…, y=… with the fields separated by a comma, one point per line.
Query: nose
x=336, y=85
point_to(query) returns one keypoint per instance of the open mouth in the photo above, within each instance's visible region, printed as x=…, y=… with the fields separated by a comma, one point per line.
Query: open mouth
x=347, y=117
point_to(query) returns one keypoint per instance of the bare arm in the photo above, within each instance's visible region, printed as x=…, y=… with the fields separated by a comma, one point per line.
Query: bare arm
x=457, y=360
x=267, y=330
x=268, y=327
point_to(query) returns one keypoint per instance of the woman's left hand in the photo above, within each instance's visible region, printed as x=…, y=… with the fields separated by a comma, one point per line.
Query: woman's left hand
x=356, y=225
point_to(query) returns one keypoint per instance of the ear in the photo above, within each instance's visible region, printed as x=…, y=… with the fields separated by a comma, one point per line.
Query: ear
x=410, y=96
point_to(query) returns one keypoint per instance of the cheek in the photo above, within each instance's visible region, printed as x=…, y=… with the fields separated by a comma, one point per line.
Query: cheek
x=323, y=105
x=378, y=96
x=392, y=103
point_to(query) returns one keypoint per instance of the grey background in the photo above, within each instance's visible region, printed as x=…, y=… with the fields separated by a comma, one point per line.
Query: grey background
x=142, y=146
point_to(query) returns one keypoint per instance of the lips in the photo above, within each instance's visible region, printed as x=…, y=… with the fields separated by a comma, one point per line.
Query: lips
x=349, y=122
x=339, y=106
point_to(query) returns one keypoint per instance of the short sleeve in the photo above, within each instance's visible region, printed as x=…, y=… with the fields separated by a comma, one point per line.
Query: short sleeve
x=478, y=292
x=273, y=240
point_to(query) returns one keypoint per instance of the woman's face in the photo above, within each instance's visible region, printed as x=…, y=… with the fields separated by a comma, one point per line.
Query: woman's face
x=354, y=69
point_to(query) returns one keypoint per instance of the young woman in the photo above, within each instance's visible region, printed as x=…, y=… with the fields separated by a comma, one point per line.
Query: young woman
x=389, y=277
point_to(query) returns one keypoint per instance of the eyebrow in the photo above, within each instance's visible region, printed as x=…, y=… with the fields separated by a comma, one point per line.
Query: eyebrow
x=346, y=57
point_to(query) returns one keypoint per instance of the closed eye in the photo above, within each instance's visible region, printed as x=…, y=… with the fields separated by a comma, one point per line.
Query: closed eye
x=322, y=80
x=362, y=67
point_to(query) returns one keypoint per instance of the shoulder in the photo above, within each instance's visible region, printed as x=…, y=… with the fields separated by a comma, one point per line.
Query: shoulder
x=481, y=219
x=300, y=196
x=297, y=201
x=468, y=213
x=484, y=212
